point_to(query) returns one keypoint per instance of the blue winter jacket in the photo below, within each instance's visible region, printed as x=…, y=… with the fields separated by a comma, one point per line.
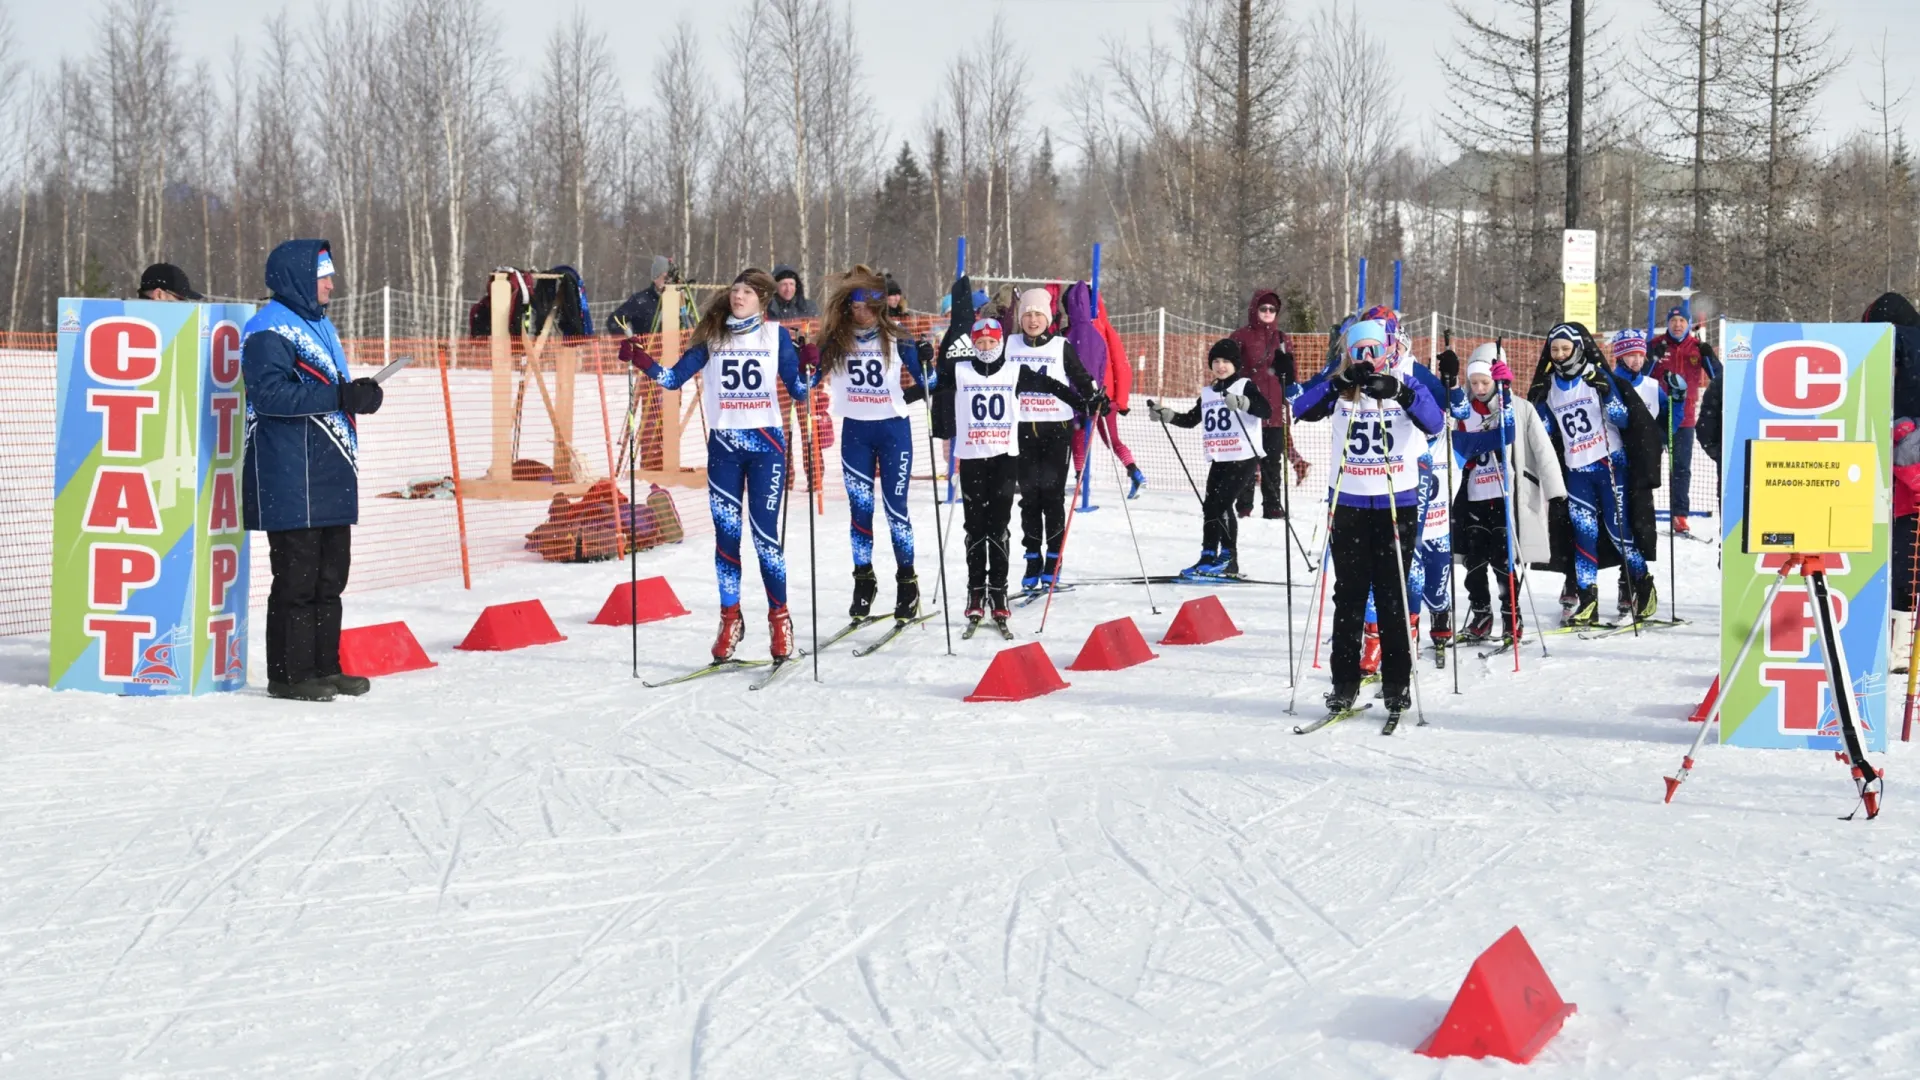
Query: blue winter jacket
x=301, y=467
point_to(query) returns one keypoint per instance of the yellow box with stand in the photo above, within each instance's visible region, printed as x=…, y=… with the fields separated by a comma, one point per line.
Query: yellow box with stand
x=1810, y=496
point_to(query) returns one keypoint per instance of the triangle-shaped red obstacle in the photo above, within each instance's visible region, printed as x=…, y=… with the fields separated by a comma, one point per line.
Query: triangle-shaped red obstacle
x=1112, y=646
x=384, y=649
x=1200, y=621
x=511, y=626
x=644, y=601
x=1705, y=708
x=1507, y=1008
x=1019, y=673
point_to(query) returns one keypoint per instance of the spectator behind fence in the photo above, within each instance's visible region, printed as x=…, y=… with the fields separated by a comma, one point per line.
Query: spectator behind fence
x=790, y=297
x=640, y=313
x=165, y=281
x=1685, y=364
x=896, y=299
x=301, y=478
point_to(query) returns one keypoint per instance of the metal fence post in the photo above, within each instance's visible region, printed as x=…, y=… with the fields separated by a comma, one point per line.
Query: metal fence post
x=386, y=324
x=1160, y=357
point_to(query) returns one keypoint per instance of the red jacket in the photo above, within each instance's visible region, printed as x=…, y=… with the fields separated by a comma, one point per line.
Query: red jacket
x=1693, y=360
x=1119, y=375
x=1259, y=344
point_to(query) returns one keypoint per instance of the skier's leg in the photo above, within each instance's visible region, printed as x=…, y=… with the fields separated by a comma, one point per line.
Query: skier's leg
x=766, y=475
x=1350, y=539
x=893, y=474
x=1583, y=494
x=857, y=458
x=726, y=475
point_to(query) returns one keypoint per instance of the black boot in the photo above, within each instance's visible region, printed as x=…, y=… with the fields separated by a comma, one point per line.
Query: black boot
x=864, y=589
x=1342, y=696
x=977, y=603
x=906, y=594
x=310, y=690
x=1397, y=699
x=1586, y=608
x=350, y=685
x=1623, y=601
x=1479, y=625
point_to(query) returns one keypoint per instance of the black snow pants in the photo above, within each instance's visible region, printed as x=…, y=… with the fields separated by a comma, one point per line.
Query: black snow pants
x=303, y=607
x=1363, y=559
x=986, y=494
x=1045, y=453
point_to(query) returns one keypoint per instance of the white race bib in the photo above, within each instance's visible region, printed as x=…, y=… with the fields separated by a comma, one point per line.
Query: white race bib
x=1436, y=524
x=867, y=385
x=985, y=409
x=1581, y=416
x=1485, y=474
x=1382, y=447
x=740, y=386
x=1049, y=360
x=1224, y=432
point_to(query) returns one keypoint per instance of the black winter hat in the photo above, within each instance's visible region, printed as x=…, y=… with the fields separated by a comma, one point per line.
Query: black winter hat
x=1225, y=349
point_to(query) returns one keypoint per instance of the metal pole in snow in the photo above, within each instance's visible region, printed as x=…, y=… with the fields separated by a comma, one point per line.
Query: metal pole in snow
x=1653, y=296
x=1396, y=284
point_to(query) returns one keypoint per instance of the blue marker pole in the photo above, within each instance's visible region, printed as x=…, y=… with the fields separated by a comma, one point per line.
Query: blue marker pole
x=1363, y=283
x=1686, y=301
x=959, y=271
x=1653, y=297
x=1396, y=284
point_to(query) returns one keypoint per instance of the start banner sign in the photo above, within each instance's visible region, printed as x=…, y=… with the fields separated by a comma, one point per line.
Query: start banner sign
x=1805, y=383
x=149, y=556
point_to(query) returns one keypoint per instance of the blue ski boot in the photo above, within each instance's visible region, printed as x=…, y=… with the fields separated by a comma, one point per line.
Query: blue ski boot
x=1136, y=481
x=1208, y=558
x=1030, y=580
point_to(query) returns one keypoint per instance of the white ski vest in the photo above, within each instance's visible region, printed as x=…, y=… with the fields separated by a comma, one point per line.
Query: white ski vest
x=1581, y=416
x=1382, y=448
x=1050, y=360
x=1485, y=475
x=985, y=409
x=867, y=385
x=740, y=386
x=1224, y=431
x=1650, y=393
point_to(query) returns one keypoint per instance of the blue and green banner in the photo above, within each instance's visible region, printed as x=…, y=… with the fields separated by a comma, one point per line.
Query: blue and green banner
x=1803, y=382
x=149, y=555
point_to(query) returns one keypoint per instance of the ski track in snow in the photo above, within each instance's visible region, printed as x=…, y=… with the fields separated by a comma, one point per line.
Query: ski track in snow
x=525, y=864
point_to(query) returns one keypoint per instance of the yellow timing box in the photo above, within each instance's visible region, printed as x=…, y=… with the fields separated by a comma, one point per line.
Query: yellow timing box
x=1810, y=496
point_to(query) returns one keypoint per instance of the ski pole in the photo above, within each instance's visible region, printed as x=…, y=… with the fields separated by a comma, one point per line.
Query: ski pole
x=1620, y=508
x=1726, y=684
x=813, y=561
x=633, y=550
x=1293, y=537
x=1673, y=536
x=1183, y=462
x=1453, y=582
x=1120, y=484
x=933, y=486
x=1507, y=496
x=1255, y=447
x=1060, y=556
x=1326, y=554
x=1401, y=569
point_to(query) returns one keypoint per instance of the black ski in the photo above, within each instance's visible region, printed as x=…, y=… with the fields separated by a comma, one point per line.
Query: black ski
x=1392, y=724
x=899, y=626
x=1333, y=718
x=779, y=666
x=1031, y=596
x=714, y=668
x=1505, y=644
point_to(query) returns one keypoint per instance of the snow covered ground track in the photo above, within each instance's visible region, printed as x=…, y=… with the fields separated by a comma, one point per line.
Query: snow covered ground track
x=524, y=865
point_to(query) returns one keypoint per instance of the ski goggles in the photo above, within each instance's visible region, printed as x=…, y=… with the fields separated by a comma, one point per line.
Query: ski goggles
x=868, y=296
x=1365, y=352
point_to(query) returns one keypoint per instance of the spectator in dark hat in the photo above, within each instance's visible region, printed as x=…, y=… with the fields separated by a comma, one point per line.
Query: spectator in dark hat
x=790, y=297
x=640, y=313
x=165, y=281
x=896, y=299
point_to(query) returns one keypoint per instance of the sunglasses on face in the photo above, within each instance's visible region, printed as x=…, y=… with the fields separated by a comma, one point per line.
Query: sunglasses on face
x=1269, y=309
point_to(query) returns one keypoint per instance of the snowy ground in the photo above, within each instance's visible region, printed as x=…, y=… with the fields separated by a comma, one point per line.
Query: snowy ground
x=527, y=865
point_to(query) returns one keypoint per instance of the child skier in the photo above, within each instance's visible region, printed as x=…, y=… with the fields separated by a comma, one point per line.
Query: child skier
x=1585, y=413
x=1228, y=411
x=862, y=354
x=1631, y=372
x=1380, y=426
x=1483, y=434
x=1046, y=434
x=976, y=405
x=746, y=443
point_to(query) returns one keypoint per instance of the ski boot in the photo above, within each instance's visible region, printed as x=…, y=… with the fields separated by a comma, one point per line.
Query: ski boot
x=1624, y=603
x=732, y=629
x=780, y=629
x=1229, y=565
x=1442, y=636
x=308, y=690
x=1397, y=699
x=976, y=604
x=1274, y=513
x=1370, y=650
x=1586, y=607
x=1569, y=599
x=1030, y=581
x=1342, y=696
x=1646, y=598
x=1049, y=572
x=997, y=602
x=1680, y=526
x=906, y=594
x=1513, y=629
x=864, y=589
x=1135, y=481
x=1208, y=557
x=1479, y=626
x=350, y=685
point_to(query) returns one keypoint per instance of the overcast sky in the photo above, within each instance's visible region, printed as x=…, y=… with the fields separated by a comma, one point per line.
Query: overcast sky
x=908, y=41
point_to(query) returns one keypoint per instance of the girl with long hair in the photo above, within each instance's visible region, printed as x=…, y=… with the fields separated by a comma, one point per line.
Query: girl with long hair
x=744, y=355
x=863, y=353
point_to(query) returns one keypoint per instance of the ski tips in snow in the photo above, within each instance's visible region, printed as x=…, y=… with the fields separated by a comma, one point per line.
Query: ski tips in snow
x=1332, y=718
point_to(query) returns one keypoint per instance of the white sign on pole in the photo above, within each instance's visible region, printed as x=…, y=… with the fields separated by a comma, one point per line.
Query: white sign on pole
x=1578, y=256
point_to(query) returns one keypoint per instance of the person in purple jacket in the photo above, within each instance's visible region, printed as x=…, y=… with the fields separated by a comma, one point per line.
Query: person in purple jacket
x=1382, y=420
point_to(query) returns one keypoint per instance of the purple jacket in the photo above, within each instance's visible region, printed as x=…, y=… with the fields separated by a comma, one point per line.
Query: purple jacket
x=1082, y=333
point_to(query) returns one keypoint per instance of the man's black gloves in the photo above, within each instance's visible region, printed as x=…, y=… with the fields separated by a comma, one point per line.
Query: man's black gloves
x=1449, y=364
x=361, y=396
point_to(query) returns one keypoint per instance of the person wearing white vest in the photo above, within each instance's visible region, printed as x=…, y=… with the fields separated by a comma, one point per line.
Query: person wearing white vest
x=1631, y=372
x=1381, y=423
x=977, y=407
x=863, y=355
x=1583, y=410
x=743, y=355
x=1227, y=411
x=1046, y=434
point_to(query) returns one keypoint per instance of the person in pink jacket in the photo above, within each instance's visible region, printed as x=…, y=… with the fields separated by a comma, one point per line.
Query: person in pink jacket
x=1905, y=574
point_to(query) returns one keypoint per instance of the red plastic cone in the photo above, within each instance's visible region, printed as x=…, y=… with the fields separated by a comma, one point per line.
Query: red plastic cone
x=1705, y=708
x=1019, y=673
x=1507, y=1008
x=1112, y=646
x=1200, y=621
x=511, y=626
x=385, y=649
x=648, y=600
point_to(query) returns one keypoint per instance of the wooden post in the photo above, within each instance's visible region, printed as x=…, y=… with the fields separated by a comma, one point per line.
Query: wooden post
x=564, y=366
x=500, y=296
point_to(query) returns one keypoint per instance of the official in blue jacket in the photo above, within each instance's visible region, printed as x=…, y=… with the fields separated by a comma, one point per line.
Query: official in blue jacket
x=301, y=479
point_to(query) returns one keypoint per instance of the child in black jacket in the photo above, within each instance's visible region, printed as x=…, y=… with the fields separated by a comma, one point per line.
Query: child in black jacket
x=1228, y=411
